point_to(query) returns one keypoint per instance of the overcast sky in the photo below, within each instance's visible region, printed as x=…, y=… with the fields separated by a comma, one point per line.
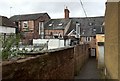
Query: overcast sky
x=55, y=8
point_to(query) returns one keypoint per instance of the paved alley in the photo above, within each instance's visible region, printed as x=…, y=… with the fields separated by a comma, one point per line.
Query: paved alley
x=89, y=70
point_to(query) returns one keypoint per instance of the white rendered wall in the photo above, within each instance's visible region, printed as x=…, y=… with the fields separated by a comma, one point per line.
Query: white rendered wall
x=7, y=29
x=52, y=44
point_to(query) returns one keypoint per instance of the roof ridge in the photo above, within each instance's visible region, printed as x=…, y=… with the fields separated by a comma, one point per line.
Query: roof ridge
x=88, y=17
x=29, y=14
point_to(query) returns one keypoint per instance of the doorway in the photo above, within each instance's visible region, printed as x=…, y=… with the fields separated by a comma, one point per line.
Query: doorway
x=92, y=52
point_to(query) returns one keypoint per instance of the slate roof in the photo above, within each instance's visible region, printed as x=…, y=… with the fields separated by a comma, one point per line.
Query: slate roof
x=72, y=26
x=56, y=24
x=4, y=21
x=90, y=25
x=28, y=17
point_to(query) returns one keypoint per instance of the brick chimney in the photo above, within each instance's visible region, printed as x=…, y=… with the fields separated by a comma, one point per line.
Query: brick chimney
x=66, y=13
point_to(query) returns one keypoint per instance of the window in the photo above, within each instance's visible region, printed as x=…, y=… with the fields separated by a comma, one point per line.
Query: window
x=88, y=39
x=90, y=24
x=94, y=29
x=60, y=24
x=83, y=32
x=25, y=24
x=101, y=29
x=51, y=33
x=50, y=24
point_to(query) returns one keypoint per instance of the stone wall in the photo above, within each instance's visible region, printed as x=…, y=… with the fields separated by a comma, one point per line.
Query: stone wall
x=57, y=64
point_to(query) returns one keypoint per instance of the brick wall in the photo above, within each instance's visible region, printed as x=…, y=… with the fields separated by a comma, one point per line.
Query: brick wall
x=48, y=32
x=36, y=26
x=92, y=42
x=58, y=64
x=33, y=28
x=80, y=56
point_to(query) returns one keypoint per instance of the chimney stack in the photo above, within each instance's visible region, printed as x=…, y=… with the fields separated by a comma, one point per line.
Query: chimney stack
x=66, y=13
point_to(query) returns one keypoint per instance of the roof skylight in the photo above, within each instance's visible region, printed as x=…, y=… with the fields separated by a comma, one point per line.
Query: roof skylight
x=60, y=24
x=50, y=24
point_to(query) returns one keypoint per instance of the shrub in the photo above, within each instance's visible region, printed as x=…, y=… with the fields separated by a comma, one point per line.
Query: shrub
x=8, y=44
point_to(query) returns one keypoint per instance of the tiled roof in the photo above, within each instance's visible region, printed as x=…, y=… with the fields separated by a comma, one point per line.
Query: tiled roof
x=4, y=21
x=56, y=24
x=28, y=17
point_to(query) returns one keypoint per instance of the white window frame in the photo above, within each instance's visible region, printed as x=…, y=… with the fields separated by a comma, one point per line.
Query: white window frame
x=25, y=22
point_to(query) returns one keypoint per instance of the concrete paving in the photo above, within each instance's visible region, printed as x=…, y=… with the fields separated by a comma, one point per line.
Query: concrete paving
x=89, y=70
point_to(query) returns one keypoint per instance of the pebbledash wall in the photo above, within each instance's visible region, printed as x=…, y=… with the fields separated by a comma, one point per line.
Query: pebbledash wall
x=62, y=63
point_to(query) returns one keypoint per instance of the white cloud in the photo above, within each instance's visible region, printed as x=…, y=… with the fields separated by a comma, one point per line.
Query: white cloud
x=55, y=8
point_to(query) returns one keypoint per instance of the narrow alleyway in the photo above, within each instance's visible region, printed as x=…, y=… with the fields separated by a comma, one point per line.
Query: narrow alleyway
x=89, y=70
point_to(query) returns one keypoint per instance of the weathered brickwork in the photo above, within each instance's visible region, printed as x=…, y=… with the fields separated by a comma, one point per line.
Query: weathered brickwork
x=59, y=64
x=81, y=56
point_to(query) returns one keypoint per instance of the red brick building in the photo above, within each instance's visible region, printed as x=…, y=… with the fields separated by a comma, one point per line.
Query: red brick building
x=30, y=25
x=57, y=28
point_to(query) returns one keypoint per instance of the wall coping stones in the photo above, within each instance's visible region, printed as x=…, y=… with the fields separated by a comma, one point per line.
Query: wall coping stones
x=34, y=55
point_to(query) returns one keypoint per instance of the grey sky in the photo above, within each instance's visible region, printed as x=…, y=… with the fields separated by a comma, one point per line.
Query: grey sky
x=55, y=8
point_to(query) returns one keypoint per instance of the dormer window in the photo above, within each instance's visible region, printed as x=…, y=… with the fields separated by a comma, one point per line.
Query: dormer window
x=94, y=29
x=50, y=24
x=60, y=24
x=83, y=32
x=90, y=24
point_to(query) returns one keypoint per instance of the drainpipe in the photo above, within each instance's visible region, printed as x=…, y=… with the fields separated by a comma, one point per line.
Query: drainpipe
x=77, y=30
x=41, y=29
x=4, y=38
x=47, y=45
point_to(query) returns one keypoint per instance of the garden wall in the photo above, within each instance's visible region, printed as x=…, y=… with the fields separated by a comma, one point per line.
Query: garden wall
x=61, y=63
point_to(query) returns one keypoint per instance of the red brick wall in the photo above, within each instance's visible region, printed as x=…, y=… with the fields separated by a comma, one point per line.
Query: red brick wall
x=47, y=32
x=33, y=24
x=36, y=32
x=66, y=12
x=30, y=25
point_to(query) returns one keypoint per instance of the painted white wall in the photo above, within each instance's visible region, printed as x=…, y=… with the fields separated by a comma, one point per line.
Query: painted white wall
x=68, y=42
x=0, y=46
x=4, y=29
x=52, y=44
x=61, y=43
x=100, y=56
